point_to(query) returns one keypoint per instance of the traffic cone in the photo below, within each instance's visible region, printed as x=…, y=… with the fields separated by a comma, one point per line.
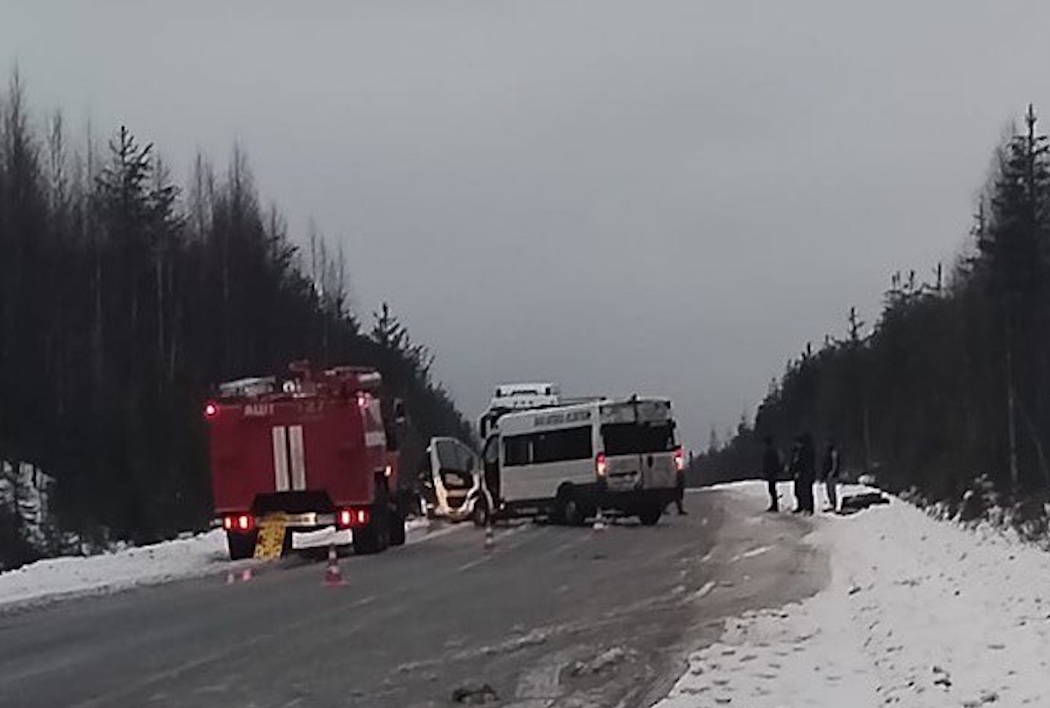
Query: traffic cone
x=490, y=537
x=230, y=578
x=599, y=522
x=246, y=575
x=332, y=575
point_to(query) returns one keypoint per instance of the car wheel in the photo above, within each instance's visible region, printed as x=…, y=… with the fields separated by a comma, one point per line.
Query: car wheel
x=480, y=514
x=568, y=510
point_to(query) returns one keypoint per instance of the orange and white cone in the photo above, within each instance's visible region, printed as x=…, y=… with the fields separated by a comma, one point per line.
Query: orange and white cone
x=599, y=522
x=490, y=537
x=332, y=575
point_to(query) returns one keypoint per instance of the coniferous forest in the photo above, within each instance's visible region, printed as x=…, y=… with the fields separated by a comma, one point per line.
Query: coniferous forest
x=126, y=294
x=951, y=384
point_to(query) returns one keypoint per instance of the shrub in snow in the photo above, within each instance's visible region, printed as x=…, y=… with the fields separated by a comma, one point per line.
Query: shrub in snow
x=985, y=509
x=28, y=529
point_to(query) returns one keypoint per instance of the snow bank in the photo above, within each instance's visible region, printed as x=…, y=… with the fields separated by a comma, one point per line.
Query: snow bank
x=919, y=612
x=190, y=557
x=145, y=565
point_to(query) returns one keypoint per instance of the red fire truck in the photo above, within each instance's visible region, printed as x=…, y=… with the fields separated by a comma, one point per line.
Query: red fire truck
x=316, y=450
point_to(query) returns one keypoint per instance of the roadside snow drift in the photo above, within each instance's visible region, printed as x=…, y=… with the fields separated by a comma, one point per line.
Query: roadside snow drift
x=919, y=612
x=146, y=565
x=196, y=556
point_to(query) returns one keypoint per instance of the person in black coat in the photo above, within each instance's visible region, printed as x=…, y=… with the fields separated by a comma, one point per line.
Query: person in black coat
x=829, y=473
x=772, y=467
x=679, y=492
x=794, y=464
x=804, y=471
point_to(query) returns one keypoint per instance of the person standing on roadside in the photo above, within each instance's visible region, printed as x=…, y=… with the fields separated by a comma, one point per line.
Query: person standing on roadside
x=794, y=466
x=803, y=469
x=679, y=491
x=829, y=471
x=771, y=470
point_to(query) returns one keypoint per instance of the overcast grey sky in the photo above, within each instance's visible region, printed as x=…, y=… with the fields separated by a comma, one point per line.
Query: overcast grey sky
x=668, y=197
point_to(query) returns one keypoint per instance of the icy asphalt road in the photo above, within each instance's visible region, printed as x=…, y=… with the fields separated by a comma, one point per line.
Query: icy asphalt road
x=552, y=617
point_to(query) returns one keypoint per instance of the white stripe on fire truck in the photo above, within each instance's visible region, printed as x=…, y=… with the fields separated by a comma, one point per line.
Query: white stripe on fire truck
x=295, y=439
x=375, y=438
x=280, y=459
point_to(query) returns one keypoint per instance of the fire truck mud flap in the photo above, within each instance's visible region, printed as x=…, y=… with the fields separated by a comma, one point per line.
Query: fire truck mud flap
x=270, y=542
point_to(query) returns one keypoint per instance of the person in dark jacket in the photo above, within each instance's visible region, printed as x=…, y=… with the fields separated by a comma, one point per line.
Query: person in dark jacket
x=679, y=492
x=772, y=467
x=829, y=473
x=794, y=464
x=803, y=469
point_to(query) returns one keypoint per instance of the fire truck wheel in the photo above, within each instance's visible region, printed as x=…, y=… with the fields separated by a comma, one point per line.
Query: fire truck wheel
x=397, y=530
x=373, y=538
x=241, y=545
x=366, y=541
x=650, y=515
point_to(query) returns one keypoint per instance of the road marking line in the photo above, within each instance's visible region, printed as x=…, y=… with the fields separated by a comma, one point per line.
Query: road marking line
x=489, y=556
x=432, y=534
x=752, y=553
x=708, y=556
x=704, y=590
x=572, y=543
x=473, y=564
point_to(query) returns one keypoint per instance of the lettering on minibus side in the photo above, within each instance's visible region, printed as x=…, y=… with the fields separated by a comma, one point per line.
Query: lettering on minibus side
x=560, y=418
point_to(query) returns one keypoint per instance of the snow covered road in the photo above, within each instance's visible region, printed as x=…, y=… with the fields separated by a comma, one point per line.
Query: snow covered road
x=918, y=612
x=548, y=617
x=888, y=607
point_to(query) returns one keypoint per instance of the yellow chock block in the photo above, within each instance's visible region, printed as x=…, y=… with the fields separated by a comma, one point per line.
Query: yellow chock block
x=270, y=541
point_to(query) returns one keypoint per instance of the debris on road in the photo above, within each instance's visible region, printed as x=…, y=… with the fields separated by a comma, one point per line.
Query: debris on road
x=475, y=694
x=858, y=502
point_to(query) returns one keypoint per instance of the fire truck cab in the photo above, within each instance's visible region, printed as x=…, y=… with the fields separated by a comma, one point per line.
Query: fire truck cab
x=315, y=450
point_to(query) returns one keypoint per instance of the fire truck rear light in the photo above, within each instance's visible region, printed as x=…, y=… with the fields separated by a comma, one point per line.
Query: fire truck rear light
x=353, y=518
x=601, y=467
x=238, y=522
x=679, y=459
x=210, y=411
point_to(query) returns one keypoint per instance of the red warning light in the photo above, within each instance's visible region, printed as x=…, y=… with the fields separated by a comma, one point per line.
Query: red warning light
x=210, y=411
